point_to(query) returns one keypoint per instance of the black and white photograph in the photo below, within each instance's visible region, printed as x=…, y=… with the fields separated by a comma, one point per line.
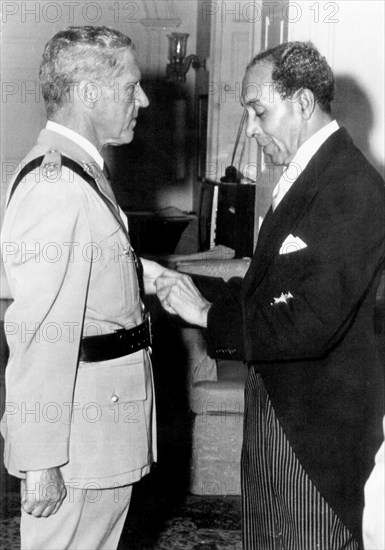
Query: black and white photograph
x=192, y=276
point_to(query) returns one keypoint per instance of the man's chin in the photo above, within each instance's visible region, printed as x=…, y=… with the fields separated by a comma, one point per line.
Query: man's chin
x=273, y=159
x=124, y=139
x=270, y=158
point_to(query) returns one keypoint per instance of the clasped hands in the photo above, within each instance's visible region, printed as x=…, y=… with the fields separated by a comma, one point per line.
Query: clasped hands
x=176, y=292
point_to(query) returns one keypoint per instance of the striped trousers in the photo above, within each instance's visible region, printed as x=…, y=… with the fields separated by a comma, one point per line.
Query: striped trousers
x=281, y=508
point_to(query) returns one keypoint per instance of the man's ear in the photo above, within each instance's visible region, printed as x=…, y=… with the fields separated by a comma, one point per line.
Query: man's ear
x=306, y=103
x=89, y=93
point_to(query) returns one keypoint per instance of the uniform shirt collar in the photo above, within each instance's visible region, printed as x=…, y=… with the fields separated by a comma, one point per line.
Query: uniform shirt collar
x=78, y=139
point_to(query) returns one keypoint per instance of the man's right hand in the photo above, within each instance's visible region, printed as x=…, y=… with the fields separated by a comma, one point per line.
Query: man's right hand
x=178, y=294
x=42, y=492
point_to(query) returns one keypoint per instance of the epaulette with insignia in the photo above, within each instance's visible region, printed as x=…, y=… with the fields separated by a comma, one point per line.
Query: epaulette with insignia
x=91, y=169
x=51, y=165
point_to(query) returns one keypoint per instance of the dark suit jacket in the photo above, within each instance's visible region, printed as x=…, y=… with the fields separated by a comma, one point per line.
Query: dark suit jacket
x=316, y=352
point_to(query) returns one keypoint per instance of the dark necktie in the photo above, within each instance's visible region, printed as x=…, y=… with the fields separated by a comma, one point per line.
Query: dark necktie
x=107, y=189
x=106, y=171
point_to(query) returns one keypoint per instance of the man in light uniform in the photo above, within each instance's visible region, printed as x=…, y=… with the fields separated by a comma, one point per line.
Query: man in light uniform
x=79, y=424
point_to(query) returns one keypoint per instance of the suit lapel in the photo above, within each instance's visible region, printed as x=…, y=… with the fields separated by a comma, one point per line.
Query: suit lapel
x=278, y=225
x=284, y=220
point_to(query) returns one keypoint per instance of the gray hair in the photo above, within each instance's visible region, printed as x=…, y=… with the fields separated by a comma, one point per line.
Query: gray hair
x=76, y=54
x=298, y=65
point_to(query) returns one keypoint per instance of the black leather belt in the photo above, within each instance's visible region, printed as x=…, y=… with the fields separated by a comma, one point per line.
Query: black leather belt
x=116, y=344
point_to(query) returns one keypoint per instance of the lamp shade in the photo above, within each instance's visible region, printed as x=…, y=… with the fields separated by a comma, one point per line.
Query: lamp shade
x=177, y=45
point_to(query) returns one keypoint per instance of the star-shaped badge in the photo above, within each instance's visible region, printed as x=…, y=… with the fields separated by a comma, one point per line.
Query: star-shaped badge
x=283, y=299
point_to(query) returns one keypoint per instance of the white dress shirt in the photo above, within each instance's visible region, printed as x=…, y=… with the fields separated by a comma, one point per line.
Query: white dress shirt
x=301, y=160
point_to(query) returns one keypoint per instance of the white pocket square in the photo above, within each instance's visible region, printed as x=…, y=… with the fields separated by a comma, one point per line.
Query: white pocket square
x=292, y=244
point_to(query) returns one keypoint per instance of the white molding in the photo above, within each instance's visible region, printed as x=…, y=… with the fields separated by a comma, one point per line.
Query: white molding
x=160, y=23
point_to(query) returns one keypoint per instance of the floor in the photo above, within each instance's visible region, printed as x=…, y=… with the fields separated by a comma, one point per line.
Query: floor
x=163, y=518
x=156, y=523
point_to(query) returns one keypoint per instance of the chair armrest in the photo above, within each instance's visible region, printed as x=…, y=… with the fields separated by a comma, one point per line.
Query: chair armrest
x=200, y=367
x=215, y=268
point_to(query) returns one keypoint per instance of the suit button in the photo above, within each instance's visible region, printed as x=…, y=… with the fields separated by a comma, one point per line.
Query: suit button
x=114, y=398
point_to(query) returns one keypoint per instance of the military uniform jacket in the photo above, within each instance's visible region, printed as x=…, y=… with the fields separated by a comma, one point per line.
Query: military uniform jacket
x=71, y=273
x=304, y=320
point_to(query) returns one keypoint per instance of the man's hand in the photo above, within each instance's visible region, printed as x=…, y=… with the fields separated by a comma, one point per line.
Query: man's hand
x=151, y=271
x=42, y=492
x=178, y=294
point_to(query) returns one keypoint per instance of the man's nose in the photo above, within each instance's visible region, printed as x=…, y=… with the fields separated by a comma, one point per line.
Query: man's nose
x=141, y=98
x=252, y=126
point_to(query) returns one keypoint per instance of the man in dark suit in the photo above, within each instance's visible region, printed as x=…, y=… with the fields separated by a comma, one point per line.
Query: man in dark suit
x=303, y=315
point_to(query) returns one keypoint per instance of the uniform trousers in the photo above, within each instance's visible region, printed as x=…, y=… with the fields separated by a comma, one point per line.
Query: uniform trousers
x=281, y=508
x=88, y=519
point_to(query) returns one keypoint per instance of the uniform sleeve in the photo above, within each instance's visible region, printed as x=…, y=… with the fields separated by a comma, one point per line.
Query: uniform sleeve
x=43, y=243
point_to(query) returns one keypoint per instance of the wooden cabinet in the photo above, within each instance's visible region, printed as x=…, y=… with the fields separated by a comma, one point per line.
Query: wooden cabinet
x=234, y=226
x=235, y=218
x=159, y=232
